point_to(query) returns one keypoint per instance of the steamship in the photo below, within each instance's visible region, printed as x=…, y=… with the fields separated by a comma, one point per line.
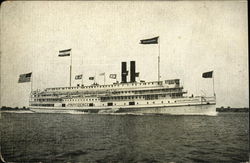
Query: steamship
x=154, y=97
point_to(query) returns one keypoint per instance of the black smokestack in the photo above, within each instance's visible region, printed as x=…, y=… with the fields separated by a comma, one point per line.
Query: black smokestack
x=124, y=72
x=132, y=71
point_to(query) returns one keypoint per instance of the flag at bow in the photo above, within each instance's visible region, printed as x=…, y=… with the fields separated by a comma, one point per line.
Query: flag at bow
x=207, y=74
x=25, y=78
x=64, y=53
x=112, y=76
x=91, y=78
x=78, y=77
x=150, y=40
x=137, y=74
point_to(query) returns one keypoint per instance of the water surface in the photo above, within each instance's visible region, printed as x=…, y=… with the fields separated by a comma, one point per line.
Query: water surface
x=124, y=138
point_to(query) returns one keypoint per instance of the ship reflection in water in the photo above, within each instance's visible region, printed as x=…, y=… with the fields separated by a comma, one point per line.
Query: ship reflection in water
x=124, y=138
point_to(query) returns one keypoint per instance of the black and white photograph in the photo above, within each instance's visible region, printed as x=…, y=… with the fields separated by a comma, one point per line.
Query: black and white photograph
x=124, y=81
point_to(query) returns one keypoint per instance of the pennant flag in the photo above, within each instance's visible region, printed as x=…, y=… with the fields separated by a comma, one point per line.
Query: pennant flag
x=102, y=73
x=150, y=40
x=24, y=78
x=91, y=78
x=137, y=74
x=112, y=76
x=77, y=77
x=64, y=53
x=207, y=74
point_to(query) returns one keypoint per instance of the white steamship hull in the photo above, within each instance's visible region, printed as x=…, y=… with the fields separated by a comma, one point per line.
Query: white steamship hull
x=196, y=109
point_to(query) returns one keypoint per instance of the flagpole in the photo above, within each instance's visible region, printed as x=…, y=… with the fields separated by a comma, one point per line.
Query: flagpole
x=31, y=83
x=213, y=84
x=159, y=76
x=104, y=78
x=70, y=68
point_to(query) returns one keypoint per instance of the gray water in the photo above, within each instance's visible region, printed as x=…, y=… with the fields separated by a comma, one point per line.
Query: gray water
x=124, y=138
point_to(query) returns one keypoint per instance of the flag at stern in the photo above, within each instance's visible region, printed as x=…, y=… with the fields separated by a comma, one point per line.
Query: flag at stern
x=207, y=74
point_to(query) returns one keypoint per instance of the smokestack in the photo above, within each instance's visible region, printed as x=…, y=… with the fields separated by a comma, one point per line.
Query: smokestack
x=132, y=71
x=124, y=72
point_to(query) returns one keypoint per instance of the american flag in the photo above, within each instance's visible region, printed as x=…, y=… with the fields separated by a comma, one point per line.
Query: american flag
x=24, y=78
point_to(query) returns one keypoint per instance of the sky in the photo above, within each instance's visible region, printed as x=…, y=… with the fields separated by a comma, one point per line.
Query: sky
x=195, y=37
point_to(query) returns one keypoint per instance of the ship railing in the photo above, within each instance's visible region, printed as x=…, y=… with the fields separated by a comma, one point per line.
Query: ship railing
x=107, y=88
x=145, y=93
x=212, y=98
x=207, y=99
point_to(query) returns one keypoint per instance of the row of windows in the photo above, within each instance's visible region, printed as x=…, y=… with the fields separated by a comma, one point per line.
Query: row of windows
x=50, y=105
x=111, y=104
x=105, y=86
x=132, y=97
x=147, y=97
x=80, y=105
x=114, y=98
x=149, y=91
x=139, y=92
x=88, y=99
x=92, y=104
x=175, y=81
x=47, y=99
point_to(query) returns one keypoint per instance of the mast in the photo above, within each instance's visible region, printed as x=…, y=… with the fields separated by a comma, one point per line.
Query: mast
x=159, y=75
x=213, y=86
x=70, y=68
x=31, y=83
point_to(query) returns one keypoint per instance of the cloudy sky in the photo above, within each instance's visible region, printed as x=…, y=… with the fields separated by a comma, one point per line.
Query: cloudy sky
x=195, y=37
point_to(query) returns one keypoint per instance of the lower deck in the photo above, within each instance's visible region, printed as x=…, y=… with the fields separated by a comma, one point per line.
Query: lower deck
x=135, y=102
x=195, y=109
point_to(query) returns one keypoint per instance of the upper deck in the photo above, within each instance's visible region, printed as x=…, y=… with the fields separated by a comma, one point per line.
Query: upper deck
x=174, y=83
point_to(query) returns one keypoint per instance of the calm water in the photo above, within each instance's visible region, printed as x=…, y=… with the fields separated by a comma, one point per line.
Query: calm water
x=124, y=138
